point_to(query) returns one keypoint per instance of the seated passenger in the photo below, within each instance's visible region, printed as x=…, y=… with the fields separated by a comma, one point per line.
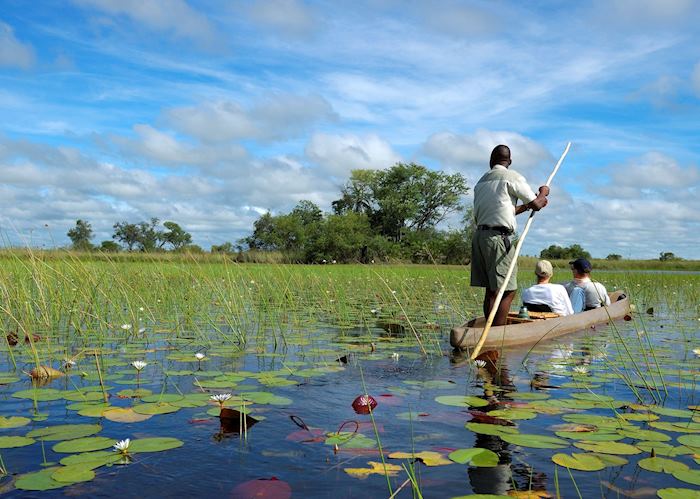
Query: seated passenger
x=584, y=293
x=545, y=294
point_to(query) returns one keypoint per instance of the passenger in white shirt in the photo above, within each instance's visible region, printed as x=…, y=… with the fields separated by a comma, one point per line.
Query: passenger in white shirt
x=545, y=294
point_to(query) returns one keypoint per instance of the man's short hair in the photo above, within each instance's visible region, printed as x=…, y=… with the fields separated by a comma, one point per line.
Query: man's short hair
x=581, y=265
x=500, y=154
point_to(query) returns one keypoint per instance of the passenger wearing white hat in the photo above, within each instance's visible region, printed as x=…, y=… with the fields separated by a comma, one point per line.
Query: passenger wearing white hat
x=546, y=296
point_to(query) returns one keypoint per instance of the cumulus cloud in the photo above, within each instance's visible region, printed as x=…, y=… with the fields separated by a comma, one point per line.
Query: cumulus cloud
x=339, y=154
x=174, y=16
x=14, y=53
x=472, y=151
x=272, y=117
x=288, y=17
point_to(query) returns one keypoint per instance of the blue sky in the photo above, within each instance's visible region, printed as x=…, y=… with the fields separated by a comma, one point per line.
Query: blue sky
x=210, y=113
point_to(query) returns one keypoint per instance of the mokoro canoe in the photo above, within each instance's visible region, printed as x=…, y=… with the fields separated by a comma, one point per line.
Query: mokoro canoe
x=544, y=327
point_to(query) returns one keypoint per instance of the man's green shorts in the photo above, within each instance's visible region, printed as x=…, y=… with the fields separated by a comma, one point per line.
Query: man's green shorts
x=490, y=261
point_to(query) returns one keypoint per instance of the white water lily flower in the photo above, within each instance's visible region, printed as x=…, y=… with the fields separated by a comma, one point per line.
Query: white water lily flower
x=373, y=311
x=221, y=397
x=122, y=446
x=395, y=356
x=68, y=363
x=199, y=356
x=480, y=363
x=126, y=327
x=580, y=369
x=139, y=364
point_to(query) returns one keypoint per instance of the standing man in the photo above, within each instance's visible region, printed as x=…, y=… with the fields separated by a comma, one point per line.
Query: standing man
x=495, y=205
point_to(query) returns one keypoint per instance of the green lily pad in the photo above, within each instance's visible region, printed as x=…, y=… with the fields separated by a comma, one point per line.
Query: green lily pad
x=77, y=396
x=73, y=474
x=528, y=396
x=85, y=444
x=492, y=429
x=676, y=413
x=265, y=398
x=65, y=432
x=13, y=421
x=608, y=447
x=95, y=410
x=39, y=394
x=688, y=476
x=154, y=444
x=350, y=440
x=513, y=414
x=15, y=441
x=125, y=415
x=163, y=397
x=610, y=460
x=592, y=397
x=678, y=493
x=6, y=379
x=581, y=462
x=461, y=401
x=535, y=441
x=678, y=427
x=647, y=435
x=133, y=393
x=591, y=436
x=661, y=465
x=155, y=408
x=475, y=457
x=94, y=459
x=663, y=449
x=38, y=481
x=692, y=441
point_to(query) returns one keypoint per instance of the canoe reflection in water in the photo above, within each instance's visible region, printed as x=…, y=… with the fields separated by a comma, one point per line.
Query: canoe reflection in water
x=505, y=475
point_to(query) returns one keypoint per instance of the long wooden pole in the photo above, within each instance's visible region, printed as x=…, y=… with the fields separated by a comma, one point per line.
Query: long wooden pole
x=521, y=240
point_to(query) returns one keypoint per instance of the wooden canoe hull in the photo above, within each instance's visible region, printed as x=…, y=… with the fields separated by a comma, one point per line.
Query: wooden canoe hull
x=466, y=336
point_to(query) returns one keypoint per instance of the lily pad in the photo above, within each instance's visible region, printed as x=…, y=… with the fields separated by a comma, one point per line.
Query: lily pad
x=512, y=414
x=678, y=493
x=429, y=458
x=610, y=460
x=535, y=441
x=73, y=474
x=85, y=444
x=133, y=393
x=154, y=444
x=94, y=459
x=688, y=476
x=265, y=398
x=15, y=441
x=592, y=397
x=65, y=432
x=608, y=447
x=13, y=421
x=125, y=415
x=691, y=441
x=475, y=457
x=581, y=462
x=667, y=411
x=678, y=427
x=387, y=469
x=647, y=435
x=163, y=397
x=461, y=401
x=492, y=429
x=38, y=481
x=94, y=410
x=663, y=449
x=155, y=408
x=39, y=394
x=592, y=436
x=77, y=396
x=350, y=440
x=661, y=465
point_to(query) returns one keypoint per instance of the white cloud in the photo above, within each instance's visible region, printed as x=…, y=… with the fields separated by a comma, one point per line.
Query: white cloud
x=652, y=174
x=14, y=53
x=174, y=16
x=695, y=79
x=339, y=154
x=472, y=152
x=276, y=116
x=288, y=17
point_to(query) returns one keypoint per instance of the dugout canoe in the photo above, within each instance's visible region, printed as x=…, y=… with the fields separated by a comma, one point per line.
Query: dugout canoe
x=541, y=326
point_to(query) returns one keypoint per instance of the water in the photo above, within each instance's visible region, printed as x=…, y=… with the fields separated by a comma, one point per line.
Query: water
x=637, y=364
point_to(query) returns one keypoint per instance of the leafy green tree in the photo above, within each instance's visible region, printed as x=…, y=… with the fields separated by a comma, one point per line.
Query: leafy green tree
x=613, y=256
x=555, y=252
x=80, y=235
x=149, y=237
x=226, y=247
x=109, y=247
x=127, y=234
x=175, y=236
x=667, y=256
x=287, y=233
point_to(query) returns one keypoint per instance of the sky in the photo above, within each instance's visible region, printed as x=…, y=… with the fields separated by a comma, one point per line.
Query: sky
x=211, y=113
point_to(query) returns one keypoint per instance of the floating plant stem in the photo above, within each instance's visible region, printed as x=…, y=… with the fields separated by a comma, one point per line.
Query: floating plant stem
x=376, y=431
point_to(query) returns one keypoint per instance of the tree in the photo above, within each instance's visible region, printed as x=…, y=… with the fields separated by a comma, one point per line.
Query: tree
x=80, y=235
x=175, y=236
x=127, y=234
x=405, y=196
x=149, y=236
x=109, y=247
x=226, y=247
x=287, y=232
x=667, y=256
x=555, y=252
x=613, y=256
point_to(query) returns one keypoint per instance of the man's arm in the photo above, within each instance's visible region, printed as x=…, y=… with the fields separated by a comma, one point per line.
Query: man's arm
x=536, y=204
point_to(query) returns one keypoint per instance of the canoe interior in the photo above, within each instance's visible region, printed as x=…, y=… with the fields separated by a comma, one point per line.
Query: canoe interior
x=538, y=329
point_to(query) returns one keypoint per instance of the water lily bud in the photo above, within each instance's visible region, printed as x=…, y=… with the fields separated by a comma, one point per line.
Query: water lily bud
x=363, y=404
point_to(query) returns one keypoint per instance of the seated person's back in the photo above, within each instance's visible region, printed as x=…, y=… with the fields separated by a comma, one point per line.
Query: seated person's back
x=594, y=293
x=546, y=293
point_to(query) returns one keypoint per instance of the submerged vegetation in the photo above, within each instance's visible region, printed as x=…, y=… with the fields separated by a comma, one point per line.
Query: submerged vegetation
x=164, y=368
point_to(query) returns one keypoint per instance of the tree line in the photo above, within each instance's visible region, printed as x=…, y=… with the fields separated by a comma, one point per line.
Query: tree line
x=141, y=236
